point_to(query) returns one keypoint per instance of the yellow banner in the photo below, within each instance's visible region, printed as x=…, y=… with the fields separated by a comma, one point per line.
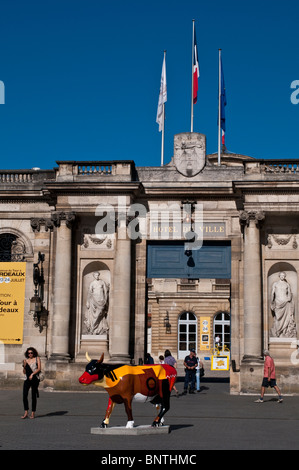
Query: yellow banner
x=205, y=323
x=12, y=298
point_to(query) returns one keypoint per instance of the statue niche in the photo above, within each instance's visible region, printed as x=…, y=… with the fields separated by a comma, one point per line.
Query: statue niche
x=282, y=307
x=96, y=303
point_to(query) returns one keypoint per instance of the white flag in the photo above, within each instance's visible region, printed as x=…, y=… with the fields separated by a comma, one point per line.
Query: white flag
x=162, y=96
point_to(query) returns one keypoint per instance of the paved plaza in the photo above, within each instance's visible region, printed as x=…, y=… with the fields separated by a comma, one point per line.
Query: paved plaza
x=210, y=420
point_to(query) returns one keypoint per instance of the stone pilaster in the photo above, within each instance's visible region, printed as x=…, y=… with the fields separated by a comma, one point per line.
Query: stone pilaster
x=119, y=335
x=253, y=333
x=62, y=286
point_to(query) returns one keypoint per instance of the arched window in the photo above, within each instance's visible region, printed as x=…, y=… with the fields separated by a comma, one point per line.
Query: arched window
x=187, y=334
x=222, y=328
x=7, y=243
x=12, y=247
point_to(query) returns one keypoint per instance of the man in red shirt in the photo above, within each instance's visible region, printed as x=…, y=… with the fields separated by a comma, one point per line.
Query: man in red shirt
x=269, y=379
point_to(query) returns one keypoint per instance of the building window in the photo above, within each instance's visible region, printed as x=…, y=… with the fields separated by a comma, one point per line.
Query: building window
x=222, y=328
x=12, y=248
x=187, y=334
x=6, y=246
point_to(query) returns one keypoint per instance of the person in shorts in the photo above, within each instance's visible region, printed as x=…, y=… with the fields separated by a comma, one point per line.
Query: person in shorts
x=269, y=379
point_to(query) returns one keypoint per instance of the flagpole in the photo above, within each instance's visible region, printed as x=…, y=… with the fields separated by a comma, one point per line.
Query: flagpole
x=219, y=111
x=162, y=137
x=192, y=77
x=163, y=126
x=160, y=119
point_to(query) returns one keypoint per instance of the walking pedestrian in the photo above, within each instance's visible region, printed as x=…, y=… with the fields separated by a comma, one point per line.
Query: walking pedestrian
x=269, y=379
x=200, y=372
x=170, y=360
x=31, y=368
x=190, y=364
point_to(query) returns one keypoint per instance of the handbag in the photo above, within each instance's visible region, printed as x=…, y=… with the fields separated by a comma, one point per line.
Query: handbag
x=41, y=377
x=202, y=372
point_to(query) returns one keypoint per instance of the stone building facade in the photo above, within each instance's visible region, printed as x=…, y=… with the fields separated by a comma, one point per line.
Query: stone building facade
x=143, y=259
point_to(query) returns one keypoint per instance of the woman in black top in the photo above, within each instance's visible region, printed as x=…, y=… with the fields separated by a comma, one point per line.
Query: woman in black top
x=31, y=368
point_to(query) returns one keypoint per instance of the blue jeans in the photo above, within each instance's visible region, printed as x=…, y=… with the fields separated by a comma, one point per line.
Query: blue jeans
x=190, y=376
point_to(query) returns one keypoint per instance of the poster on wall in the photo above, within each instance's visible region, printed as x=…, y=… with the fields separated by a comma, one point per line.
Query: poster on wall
x=12, y=299
x=219, y=363
x=204, y=333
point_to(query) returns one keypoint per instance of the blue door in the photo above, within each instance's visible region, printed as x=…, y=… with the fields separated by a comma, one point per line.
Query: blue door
x=171, y=260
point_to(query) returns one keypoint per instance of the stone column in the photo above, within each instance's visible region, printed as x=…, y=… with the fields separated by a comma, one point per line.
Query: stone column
x=119, y=334
x=253, y=332
x=62, y=286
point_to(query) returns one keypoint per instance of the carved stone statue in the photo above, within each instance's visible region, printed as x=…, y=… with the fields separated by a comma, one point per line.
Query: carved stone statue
x=97, y=306
x=282, y=306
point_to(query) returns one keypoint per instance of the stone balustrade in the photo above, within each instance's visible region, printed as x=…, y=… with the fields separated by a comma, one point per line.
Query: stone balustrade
x=272, y=167
x=95, y=169
x=287, y=166
x=11, y=177
x=21, y=177
x=69, y=170
x=84, y=169
x=74, y=170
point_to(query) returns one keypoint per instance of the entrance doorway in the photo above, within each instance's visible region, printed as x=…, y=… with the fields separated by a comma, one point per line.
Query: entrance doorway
x=187, y=293
x=187, y=334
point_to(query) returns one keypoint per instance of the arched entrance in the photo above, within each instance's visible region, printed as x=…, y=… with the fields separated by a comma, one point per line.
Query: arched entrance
x=187, y=333
x=190, y=294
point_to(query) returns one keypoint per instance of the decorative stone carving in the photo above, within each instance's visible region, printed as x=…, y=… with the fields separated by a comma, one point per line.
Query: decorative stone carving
x=69, y=217
x=95, y=242
x=283, y=309
x=282, y=240
x=36, y=224
x=18, y=250
x=189, y=153
x=257, y=216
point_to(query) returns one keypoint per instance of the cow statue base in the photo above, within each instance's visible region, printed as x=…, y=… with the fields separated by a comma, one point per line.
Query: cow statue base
x=124, y=383
x=140, y=430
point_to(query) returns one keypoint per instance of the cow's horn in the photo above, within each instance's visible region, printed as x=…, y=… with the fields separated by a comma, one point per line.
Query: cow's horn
x=101, y=359
x=87, y=356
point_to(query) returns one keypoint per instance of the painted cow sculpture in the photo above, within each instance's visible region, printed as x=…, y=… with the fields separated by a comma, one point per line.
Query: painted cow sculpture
x=124, y=383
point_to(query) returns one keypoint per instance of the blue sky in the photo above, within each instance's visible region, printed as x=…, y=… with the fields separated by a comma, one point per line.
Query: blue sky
x=82, y=78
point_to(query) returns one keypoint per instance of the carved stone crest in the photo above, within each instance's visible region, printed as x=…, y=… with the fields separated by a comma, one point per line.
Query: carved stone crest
x=95, y=242
x=189, y=153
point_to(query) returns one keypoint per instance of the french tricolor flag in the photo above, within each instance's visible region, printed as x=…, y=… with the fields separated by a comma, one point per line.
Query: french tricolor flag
x=195, y=70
